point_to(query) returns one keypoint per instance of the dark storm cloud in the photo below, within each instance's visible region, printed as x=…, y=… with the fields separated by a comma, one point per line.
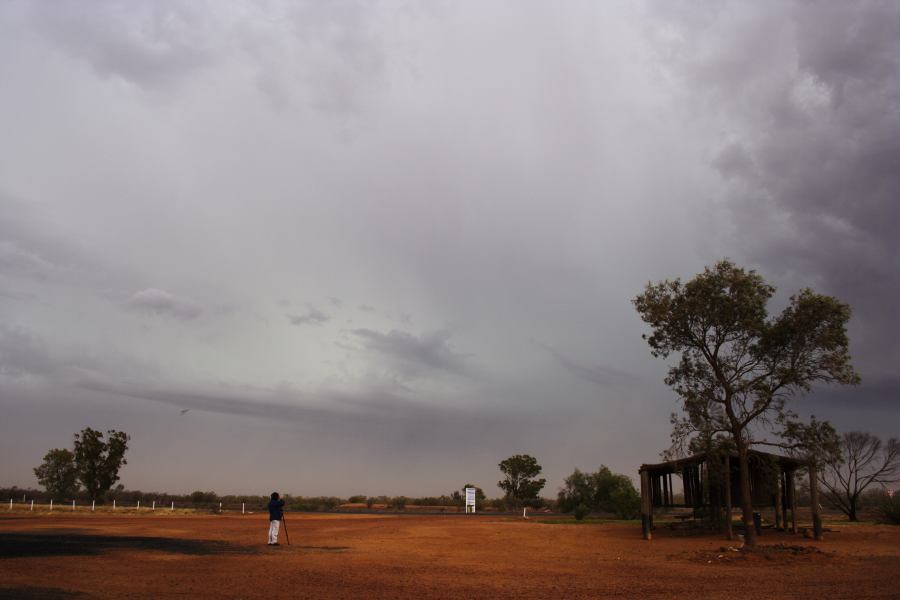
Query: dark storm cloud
x=595, y=373
x=809, y=97
x=382, y=417
x=158, y=302
x=313, y=316
x=431, y=350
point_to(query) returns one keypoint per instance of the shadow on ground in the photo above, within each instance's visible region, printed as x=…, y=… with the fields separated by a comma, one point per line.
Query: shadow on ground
x=40, y=593
x=19, y=545
x=323, y=548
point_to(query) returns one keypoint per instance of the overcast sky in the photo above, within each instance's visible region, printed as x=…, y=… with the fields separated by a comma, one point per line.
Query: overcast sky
x=379, y=247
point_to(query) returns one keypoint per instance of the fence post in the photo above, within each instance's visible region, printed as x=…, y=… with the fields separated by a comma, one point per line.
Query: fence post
x=139, y=505
x=32, y=505
x=154, y=505
x=10, y=504
x=92, y=505
x=51, y=504
x=220, y=507
x=173, y=505
x=242, y=507
x=114, y=504
x=73, y=506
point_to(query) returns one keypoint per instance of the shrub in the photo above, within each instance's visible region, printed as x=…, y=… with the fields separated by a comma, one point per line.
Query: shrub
x=890, y=510
x=581, y=511
x=602, y=491
x=370, y=502
x=317, y=503
x=199, y=497
x=358, y=499
x=625, y=502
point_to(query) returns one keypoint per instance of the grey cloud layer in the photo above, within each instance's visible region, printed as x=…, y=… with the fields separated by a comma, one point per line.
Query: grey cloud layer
x=504, y=172
x=161, y=302
x=431, y=350
x=809, y=98
x=330, y=49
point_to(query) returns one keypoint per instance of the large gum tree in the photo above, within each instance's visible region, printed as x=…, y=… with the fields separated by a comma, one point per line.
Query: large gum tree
x=738, y=366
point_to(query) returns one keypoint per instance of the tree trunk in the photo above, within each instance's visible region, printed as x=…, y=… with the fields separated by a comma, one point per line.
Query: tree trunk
x=814, y=502
x=746, y=497
x=851, y=513
x=729, y=531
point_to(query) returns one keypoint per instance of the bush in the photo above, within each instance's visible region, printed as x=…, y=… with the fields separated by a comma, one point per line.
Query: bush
x=317, y=503
x=625, y=502
x=370, y=502
x=498, y=504
x=603, y=491
x=358, y=499
x=581, y=511
x=889, y=510
x=199, y=497
x=398, y=502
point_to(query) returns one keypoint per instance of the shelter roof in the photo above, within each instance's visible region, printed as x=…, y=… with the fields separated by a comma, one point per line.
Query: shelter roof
x=673, y=466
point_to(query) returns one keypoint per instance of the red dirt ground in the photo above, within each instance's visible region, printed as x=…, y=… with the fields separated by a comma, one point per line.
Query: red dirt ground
x=359, y=556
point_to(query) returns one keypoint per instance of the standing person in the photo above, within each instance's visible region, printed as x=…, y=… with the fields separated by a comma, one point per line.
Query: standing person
x=276, y=514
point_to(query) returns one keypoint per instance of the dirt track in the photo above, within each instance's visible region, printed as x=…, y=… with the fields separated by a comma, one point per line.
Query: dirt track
x=355, y=556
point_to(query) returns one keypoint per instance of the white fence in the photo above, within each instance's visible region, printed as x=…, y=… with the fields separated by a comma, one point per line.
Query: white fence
x=29, y=505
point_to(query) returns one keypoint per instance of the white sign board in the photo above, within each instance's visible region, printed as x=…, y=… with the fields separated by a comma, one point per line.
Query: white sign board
x=470, y=499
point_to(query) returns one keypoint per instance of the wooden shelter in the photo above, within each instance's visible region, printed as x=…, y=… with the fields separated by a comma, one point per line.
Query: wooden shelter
x=710, y=482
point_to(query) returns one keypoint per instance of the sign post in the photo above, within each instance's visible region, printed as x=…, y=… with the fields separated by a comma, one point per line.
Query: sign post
x=470, y=500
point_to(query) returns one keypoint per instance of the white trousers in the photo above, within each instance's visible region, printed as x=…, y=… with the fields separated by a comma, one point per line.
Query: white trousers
x=274, y=526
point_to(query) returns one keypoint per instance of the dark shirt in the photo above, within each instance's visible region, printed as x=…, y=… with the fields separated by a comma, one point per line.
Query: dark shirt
x=275, y=512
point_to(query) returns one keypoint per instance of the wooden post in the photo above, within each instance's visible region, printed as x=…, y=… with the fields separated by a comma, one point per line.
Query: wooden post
x=646, y=505
x=729, y=527
x=792, y=492
x=779, y=517
x=814, y=501
x=665, y=490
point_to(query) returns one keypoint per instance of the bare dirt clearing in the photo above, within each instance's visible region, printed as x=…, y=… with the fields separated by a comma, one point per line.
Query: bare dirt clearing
x=358, y=556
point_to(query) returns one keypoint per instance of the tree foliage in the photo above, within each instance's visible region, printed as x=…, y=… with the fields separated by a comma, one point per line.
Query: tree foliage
x=738, y=366
x=99, y=461
x=603, y=491
x=863, y=460
x=520, y=483
x=58, y=474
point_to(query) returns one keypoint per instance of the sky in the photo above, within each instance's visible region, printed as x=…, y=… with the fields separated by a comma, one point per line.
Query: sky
x=378, y=247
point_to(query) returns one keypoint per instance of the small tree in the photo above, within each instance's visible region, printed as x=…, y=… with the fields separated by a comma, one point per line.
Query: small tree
x=58, y=474
x=738, y=366
x=863, y=460
x=98, y=462
x=520, y=483
x=577, y=490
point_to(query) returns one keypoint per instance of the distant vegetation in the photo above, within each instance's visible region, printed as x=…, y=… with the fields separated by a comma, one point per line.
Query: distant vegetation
x=603, y=491
x=94, y=464
x=860, y=460
x=889, y=510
